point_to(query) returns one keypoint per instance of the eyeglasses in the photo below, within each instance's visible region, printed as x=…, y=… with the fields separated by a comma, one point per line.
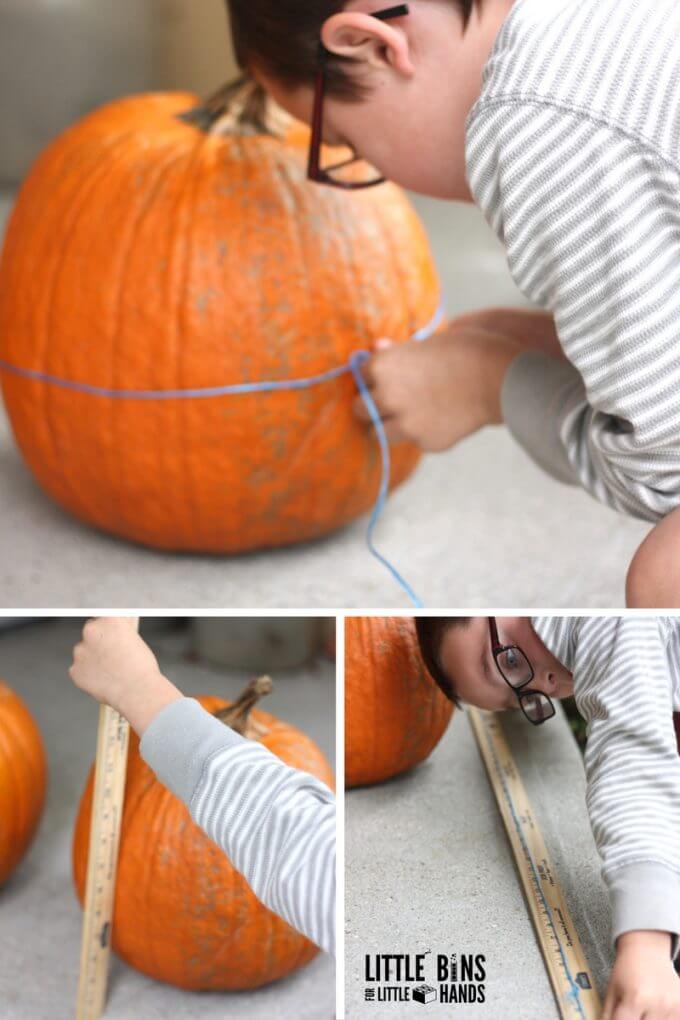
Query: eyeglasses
x=517, y=671
x=343, y=174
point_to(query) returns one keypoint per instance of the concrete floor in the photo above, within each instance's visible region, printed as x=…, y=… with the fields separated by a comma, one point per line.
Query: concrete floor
x=552, y=545
x=40, y=919
x=432, y=870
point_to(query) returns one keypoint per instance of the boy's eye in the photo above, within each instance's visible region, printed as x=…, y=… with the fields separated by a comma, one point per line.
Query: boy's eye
x=511, y=658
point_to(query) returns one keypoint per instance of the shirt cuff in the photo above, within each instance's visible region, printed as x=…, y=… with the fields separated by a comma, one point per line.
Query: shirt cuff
x=645, y=896
x=536, y=391
x=179, y=740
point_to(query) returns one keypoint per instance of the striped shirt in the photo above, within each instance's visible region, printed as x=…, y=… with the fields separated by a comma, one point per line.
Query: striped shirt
x=276, y=824
x=573, y=154
x=627, y=686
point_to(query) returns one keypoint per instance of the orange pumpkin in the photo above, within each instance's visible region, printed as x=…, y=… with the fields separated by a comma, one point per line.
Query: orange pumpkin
x=395, y=715
x=145, y=252
x=23, y=778
x=182, y=913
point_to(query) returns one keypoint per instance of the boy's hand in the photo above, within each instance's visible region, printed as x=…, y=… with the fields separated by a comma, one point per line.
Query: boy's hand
x=438, y=392
x=643, y=983
x=115, y=666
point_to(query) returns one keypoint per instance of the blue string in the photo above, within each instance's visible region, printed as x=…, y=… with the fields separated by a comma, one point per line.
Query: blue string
x=196, y=394
x=353, y=367
x=356, y=361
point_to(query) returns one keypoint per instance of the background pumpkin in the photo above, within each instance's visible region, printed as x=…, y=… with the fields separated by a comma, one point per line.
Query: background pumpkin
x=146, y=252
x=395, y=715
x=182, y=913
x=23, y=778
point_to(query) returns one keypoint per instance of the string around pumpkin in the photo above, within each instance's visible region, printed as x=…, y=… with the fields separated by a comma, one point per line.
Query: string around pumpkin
x=352, y=367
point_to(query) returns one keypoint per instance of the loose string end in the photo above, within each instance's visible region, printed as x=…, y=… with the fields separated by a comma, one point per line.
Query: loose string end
x=357, y=360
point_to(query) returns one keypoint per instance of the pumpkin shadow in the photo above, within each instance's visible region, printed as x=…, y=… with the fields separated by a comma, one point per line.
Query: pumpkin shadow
x=404, y=781
x=25, y=875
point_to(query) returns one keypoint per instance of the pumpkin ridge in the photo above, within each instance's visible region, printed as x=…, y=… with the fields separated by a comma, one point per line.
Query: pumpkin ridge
x=187, y=215
x=115, y=325
x=81, y=198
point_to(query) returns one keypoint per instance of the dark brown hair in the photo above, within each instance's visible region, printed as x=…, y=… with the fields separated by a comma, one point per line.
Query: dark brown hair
x=431, y=631
x=282, y=37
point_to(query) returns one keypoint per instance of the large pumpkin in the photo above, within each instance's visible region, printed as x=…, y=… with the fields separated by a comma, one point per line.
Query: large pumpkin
x=395, y=714
x=148, y=253
x=182, y=913
x=23, y=777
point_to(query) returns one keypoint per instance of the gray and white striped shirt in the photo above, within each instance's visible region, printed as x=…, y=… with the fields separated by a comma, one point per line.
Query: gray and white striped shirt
x=627, y=685
x=276, y=824
x=573, y=154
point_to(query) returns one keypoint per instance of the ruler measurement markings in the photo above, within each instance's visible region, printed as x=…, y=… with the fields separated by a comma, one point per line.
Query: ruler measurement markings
x=549, y=912
x=538, y=904
x=107, y=805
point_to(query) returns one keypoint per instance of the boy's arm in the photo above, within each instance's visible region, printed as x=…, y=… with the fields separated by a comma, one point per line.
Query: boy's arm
x=437, y=393
x=275, y=823
x=623, y=689
x=523, y=403
x=592, y=231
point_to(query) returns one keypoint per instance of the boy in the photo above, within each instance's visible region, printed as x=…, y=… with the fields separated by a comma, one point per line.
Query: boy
x=561, y=120
x=625, y=677
x=275, y=823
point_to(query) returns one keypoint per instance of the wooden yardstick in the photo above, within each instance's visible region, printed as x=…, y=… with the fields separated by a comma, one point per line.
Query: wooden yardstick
x=107, y=815
x=566, y=963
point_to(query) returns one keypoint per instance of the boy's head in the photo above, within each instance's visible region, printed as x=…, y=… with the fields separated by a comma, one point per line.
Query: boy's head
x=458, y=654
x=398, y=91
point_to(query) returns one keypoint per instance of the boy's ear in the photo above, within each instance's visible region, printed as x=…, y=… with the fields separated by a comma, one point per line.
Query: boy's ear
x=363, y=38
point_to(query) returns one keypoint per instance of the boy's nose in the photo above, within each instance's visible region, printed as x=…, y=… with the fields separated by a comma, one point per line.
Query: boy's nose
x=547, y=682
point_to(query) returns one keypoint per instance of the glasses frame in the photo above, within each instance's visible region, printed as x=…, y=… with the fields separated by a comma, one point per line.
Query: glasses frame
x=315, y=172
x=497, y=650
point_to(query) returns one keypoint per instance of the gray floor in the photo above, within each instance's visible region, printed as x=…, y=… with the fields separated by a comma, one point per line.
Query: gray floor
x=40, y=920
x=477, y=526
x=432, y=870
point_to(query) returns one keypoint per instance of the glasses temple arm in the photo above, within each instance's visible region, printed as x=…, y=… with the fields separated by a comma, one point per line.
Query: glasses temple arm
x=495, y=643
x=400, y=11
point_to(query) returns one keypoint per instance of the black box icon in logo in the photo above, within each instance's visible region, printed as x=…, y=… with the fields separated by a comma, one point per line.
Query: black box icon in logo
x=424, y=994
x=583, y=980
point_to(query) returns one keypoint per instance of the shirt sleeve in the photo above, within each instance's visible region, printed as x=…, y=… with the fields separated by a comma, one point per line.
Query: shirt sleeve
x=623, y=689
x=590, y=219
x=536, y=390
x=276, y=824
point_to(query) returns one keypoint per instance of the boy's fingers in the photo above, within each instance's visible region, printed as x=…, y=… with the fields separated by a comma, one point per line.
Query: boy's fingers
x=607, y=1009
x=394, y=432
x=383, y=344
x=362, y=412
x=625, y=1012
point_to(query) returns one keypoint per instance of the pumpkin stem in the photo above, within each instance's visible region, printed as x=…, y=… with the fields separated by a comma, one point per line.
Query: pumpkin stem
x=241, y=107
x=237, y=716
